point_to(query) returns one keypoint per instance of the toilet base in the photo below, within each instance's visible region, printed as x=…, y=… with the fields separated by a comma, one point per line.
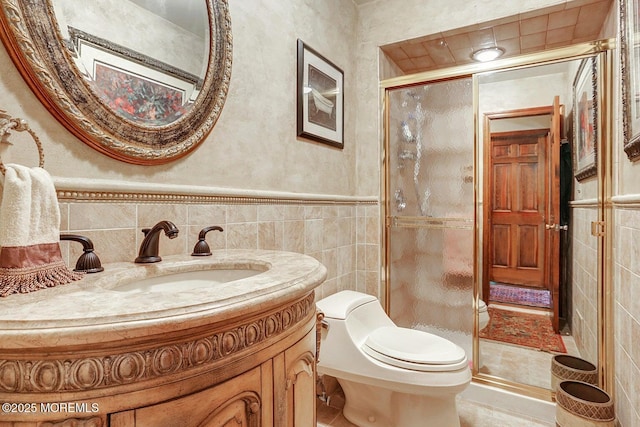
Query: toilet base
x=371, y=406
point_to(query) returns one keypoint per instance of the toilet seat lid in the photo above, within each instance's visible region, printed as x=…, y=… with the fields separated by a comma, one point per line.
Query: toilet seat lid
x=414, y=349
x=482, y=306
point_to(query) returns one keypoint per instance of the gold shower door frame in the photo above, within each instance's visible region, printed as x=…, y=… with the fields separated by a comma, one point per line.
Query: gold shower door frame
x=603, y=48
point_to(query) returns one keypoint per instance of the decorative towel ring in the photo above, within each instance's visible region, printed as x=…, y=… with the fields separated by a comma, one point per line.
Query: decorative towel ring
x=7, y=123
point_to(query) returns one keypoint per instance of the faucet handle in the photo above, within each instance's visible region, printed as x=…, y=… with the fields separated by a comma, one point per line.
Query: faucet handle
x=202, y=247
x=88, y=262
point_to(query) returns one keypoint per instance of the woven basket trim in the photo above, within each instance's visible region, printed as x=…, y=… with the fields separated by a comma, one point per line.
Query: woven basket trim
x=584, y=409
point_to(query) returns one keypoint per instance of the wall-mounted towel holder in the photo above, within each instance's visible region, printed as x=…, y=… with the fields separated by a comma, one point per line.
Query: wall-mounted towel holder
x=7, y=123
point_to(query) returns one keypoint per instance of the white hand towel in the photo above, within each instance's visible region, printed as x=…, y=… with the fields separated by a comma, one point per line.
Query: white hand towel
x=30, y=257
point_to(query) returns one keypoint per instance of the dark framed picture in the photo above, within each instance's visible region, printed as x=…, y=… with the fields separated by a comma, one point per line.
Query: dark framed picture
x=585, y=113
x=320, y=98
x=630, y=49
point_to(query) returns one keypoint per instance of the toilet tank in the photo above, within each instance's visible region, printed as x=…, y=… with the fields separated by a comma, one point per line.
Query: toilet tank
x=361, y=314
x=339, y=305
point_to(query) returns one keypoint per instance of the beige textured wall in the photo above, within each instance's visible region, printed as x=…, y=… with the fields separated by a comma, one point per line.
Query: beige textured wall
x=254, y=143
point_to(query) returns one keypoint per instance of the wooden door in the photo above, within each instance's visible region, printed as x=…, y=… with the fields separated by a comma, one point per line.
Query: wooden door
x=552, y=251
x=522, y=204
x=518, y=195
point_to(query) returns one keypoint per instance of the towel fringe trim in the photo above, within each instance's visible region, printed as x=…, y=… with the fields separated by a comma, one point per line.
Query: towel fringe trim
x=25, y=280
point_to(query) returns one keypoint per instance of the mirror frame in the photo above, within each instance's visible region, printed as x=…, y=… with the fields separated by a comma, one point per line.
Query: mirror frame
x=30, y=33
x=605, y=304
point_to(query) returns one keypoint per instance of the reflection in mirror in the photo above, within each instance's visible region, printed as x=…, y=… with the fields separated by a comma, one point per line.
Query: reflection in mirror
x=537, y=265
x=142, y=81
x=152, y=79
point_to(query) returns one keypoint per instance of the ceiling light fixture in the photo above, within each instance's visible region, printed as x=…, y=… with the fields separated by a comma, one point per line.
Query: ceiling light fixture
x=487, y=54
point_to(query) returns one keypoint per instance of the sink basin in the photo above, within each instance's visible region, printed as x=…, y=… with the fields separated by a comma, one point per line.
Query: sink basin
x=186, y=281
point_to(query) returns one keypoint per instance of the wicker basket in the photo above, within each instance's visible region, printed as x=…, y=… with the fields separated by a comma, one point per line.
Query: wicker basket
x=565, y=367
x=579, y=404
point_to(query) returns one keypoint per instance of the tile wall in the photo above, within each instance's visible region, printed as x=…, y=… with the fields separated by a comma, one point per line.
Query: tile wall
x=626, y=314
x=343, y=236
x=584, y=275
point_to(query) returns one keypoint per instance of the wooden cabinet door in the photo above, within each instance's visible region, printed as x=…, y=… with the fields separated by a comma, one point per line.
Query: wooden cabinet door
x=236, y=402
x=295, y=381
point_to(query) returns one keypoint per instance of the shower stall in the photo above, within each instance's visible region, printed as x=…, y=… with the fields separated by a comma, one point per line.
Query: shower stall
x=430, y=208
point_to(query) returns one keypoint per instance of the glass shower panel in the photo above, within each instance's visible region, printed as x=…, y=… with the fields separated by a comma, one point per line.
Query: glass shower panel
x=431, y=208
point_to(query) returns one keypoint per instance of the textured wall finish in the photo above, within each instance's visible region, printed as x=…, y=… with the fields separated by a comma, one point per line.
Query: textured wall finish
x=254, y=143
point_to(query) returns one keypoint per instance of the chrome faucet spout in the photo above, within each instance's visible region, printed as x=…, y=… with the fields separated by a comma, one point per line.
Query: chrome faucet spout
x=149, y=251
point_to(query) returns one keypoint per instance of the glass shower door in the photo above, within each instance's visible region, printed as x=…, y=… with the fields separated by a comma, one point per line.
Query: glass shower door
x=430, y=208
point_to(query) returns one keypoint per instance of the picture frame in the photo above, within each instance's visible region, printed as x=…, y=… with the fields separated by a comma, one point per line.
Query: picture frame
x=630, y=59
x=320, y=98
x=585, y=120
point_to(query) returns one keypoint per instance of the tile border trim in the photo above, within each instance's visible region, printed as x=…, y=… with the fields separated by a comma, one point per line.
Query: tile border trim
x=79, y=190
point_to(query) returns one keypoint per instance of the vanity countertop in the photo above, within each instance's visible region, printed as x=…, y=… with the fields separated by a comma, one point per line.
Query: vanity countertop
x=92, y=311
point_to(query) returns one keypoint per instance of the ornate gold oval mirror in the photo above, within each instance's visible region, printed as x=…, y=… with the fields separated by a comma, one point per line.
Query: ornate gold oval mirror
x=127, y=77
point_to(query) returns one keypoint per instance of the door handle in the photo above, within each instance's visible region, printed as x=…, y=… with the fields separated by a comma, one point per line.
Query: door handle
x=556, y=227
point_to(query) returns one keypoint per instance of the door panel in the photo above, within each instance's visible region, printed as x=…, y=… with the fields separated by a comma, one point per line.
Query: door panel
x=517, y=183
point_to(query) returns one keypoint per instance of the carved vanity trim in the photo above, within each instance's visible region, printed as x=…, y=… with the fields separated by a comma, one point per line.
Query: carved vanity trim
x=61, y=373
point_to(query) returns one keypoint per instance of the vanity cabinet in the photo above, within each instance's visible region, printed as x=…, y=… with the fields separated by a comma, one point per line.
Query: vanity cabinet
x=295, y=385
x=237, y=401
x=279, y=393
x=248, y=358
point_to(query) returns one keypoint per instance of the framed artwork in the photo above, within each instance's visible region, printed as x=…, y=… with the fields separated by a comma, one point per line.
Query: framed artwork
x=630, y=50
x=585, y=114
x=320, y=98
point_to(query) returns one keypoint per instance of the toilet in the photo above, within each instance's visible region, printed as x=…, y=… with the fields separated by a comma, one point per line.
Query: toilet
x=391, y=376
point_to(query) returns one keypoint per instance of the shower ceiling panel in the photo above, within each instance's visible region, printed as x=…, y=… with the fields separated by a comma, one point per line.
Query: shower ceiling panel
x=530, y=32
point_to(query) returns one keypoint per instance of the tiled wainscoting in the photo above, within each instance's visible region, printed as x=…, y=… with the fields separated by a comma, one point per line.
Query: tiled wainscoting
x=342, y=233
x=626, y=310
x=584, y=277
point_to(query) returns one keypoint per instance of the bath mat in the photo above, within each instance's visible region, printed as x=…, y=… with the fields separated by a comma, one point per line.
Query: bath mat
x=512, y=294
x=525, y=329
